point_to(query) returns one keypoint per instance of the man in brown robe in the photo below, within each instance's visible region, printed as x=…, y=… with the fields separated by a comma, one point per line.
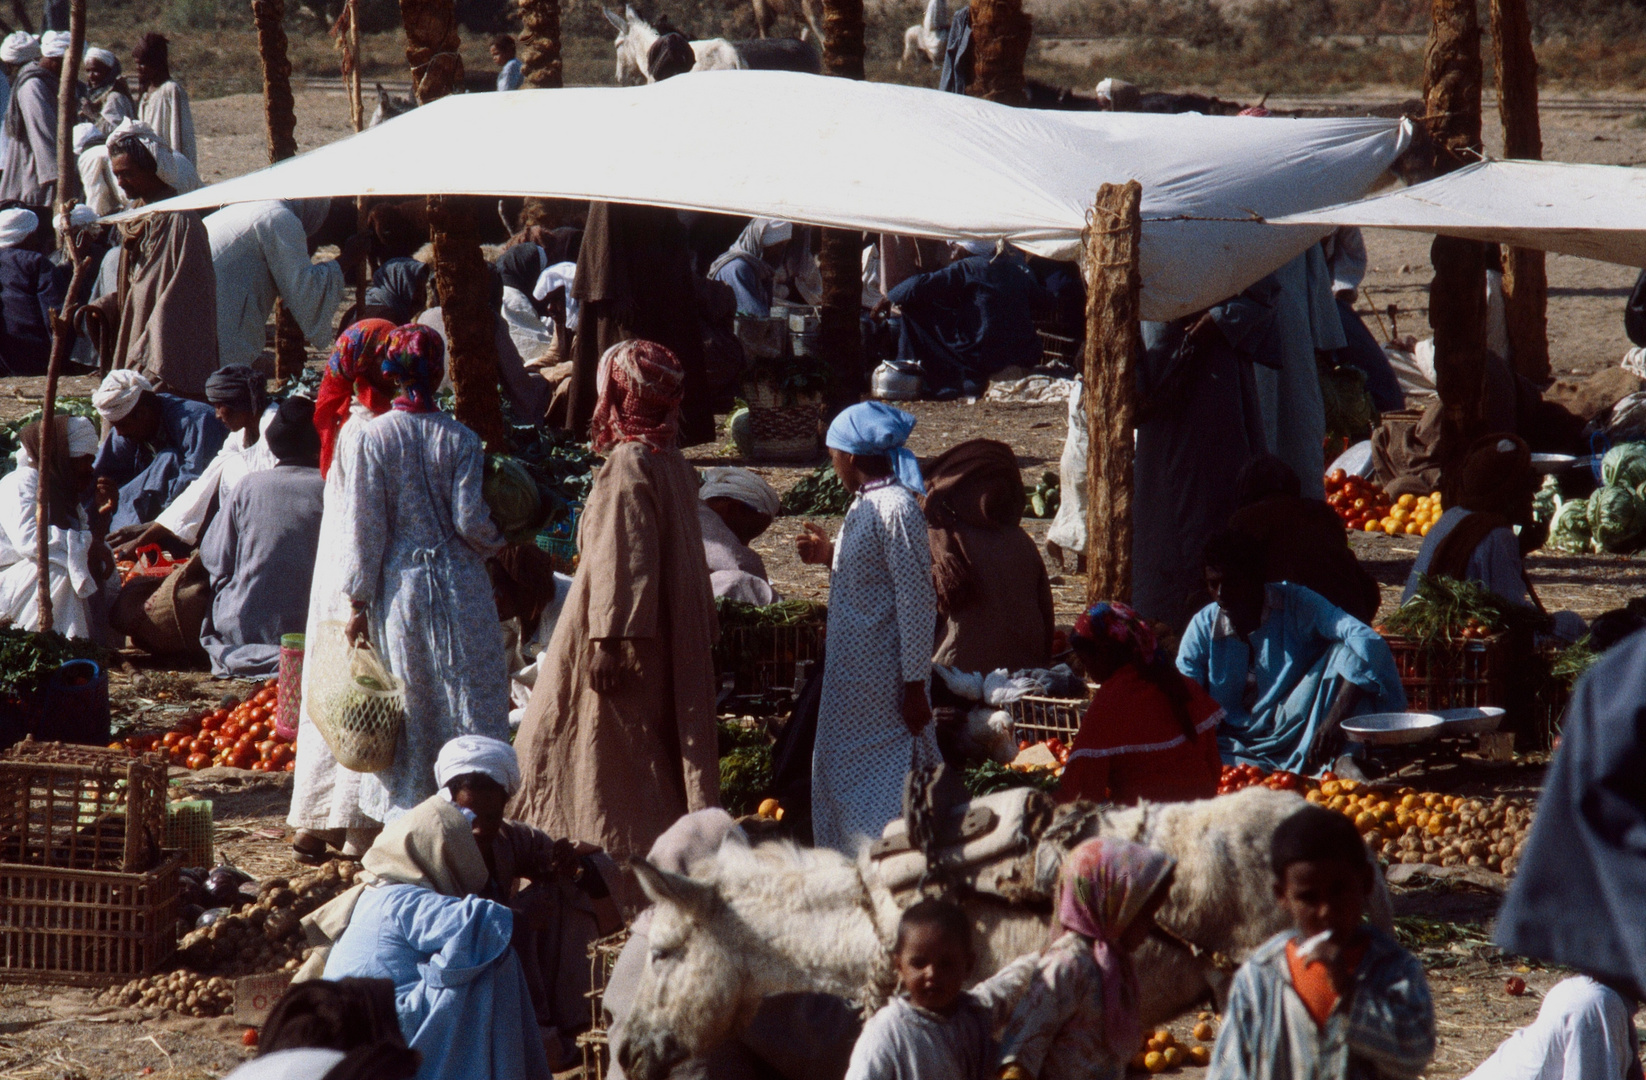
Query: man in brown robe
x=634, y=280
x=619, y=739
x=152, y=321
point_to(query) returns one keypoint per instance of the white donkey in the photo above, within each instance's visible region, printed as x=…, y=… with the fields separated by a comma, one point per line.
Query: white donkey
x=635, y=37
x=776, y=918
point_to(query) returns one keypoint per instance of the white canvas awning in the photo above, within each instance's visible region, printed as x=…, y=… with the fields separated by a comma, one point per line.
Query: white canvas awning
x=1596, y=211
x=871, y=156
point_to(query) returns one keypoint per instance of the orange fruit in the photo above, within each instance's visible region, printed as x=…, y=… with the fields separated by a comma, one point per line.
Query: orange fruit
x=1200, y=1055
x=1154, y=1061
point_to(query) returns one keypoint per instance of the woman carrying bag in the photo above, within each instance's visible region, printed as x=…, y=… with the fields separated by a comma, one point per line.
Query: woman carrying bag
x=415, y=574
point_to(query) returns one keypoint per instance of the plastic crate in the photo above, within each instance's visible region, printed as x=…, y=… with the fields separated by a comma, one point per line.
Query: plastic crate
x=762, y=658
x=1453, y=674
x=189, y=831
x=593, y=1043
x=81, y=808
x=87, y=927
x=1038, y=719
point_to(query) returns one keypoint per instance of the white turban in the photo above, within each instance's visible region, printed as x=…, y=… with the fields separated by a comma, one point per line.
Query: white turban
x=741, y=484
x=82, y=435
x=54, y=43
x=81, y=216
x=172, y=168
x=16, y=226
x=85, y=136
x=118, y=395
x=19, y=47
x=478, y=754
x=102, y=56
x=774, y=232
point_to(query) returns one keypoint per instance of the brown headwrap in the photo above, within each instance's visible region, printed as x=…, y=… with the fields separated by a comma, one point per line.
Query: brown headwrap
x=974, y=483
x=1496, y=475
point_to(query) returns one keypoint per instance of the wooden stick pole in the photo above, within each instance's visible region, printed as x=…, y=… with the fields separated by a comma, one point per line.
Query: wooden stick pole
x=62, y=340
x=68, y=108
x=1113, y=331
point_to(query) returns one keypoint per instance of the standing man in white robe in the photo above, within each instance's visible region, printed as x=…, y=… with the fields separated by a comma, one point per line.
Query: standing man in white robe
x=162, y=103
x=260, y=251
x=28, y=157
x=874, y=721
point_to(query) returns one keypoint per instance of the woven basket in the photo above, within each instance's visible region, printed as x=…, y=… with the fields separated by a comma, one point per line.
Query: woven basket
x=81, y=807
x=357, y=705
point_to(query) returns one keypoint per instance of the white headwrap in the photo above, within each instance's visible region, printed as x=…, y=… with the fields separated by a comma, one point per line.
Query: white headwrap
x=171, y=167
x=19, y=47
x=85, y=136
x=54, y=43
x=562, y=275
x=103, y=56
x=82, y=435
x=478, y=754
x=118, y=395
x=16, y=226
x=81, y=216
x=774, y=232
x=741, y=484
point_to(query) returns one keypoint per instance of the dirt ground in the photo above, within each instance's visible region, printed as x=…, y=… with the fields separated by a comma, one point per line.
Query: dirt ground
x=54, y=1034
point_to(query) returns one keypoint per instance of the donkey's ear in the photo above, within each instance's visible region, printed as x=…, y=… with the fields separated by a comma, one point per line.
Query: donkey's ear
x=615, y=19
x=633, y=15
x=664, y=887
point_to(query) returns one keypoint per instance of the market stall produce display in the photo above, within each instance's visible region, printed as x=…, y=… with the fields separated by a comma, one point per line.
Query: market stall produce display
x=242, y=737
x=1045, y=497
x=1356, y=500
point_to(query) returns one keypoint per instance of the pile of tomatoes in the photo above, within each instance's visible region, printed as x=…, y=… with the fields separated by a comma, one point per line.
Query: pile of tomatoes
x=1356, y=499
x=241, y=738
x=1240, y=777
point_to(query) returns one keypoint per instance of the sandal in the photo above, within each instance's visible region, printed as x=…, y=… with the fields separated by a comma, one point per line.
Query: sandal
x=313, y=853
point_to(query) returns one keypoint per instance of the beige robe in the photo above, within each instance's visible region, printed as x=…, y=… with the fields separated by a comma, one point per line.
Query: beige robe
x=617, y=769
x=153, y=321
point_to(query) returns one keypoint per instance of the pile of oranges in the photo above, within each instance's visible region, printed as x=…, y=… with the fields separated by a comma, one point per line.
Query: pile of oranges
x=1161, y=1050
x=242, y=738
x=1411, y=515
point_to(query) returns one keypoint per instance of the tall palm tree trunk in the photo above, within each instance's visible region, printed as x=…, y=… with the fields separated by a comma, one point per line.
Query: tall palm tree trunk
x=540, y=43
x=1000, y=32
x=459, y=267
x=1452, y=79
x=1525, y=281
x=281, y=121
x=839, y=257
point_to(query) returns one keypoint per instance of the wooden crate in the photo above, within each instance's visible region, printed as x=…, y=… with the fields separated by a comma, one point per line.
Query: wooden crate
x=603, y=954
x=764, y=658
x=87, y=927
x=1038, y=719
x=81, y=808
x=1452, y=675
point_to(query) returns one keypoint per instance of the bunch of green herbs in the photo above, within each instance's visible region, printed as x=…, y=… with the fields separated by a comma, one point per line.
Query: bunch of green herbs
x=819, y=492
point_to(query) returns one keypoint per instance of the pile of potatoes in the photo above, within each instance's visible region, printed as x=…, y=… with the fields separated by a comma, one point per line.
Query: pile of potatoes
x=181, y=992
x=266, y=935
x=1409, y=826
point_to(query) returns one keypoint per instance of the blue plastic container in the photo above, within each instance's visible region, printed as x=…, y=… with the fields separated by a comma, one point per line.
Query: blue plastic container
x=74, y=706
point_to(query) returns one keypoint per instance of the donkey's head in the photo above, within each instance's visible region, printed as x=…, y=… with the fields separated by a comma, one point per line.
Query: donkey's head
x=695, y=992
x=634, y=38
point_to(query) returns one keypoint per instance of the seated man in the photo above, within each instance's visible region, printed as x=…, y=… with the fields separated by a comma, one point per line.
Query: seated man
x=965, y=322
x=751, y=265
x=260, y=550
x=260, y=252
x=159, y=445
x=1274, y=655
x=1475, y=540
x=240, y=398
x=443, y=878
x=30, y=286
x=1304, y=540
x=1584, y=1031
x=736, y=506
x=81, y=564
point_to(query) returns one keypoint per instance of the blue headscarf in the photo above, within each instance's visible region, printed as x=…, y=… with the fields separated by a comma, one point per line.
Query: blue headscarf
x=876, y=428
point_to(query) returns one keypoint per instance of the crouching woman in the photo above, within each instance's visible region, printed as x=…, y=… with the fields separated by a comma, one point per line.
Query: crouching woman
x=460, y=992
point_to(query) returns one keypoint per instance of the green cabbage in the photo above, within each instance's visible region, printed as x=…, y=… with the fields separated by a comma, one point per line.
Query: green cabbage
x=1624, y=465
x=1616, y=519
x=512, y=495
x=1570, y=529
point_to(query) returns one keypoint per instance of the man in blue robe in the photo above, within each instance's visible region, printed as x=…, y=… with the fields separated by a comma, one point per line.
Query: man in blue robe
x=160, y=443
x=965, y=322
x=1277, y=657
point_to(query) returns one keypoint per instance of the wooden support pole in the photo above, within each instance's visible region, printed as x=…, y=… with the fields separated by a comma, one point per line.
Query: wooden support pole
x=840, y=254
x=1001, y=31
x=1113, y=334
x=540, y=62
x=1452, y=77
x=280, y=121
x=459, y=267
x=1525, y=277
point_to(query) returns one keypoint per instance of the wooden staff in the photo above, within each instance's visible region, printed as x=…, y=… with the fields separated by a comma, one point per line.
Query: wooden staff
x=62, y=340
x=346, y=36
x=68, y=105
x=1113, y=331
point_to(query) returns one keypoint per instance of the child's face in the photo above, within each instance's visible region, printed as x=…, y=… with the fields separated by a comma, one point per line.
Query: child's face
x=1325, y=896
x=932, y=966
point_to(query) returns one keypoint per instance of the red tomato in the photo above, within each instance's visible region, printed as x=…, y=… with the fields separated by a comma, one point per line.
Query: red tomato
x=197, y=761
x=249, y=1038
x=211, y=723
x=265, y=749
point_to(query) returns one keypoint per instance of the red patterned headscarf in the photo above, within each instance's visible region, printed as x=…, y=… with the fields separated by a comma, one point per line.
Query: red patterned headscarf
x=640, y=387
x=416, y=361
x=359, y=349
